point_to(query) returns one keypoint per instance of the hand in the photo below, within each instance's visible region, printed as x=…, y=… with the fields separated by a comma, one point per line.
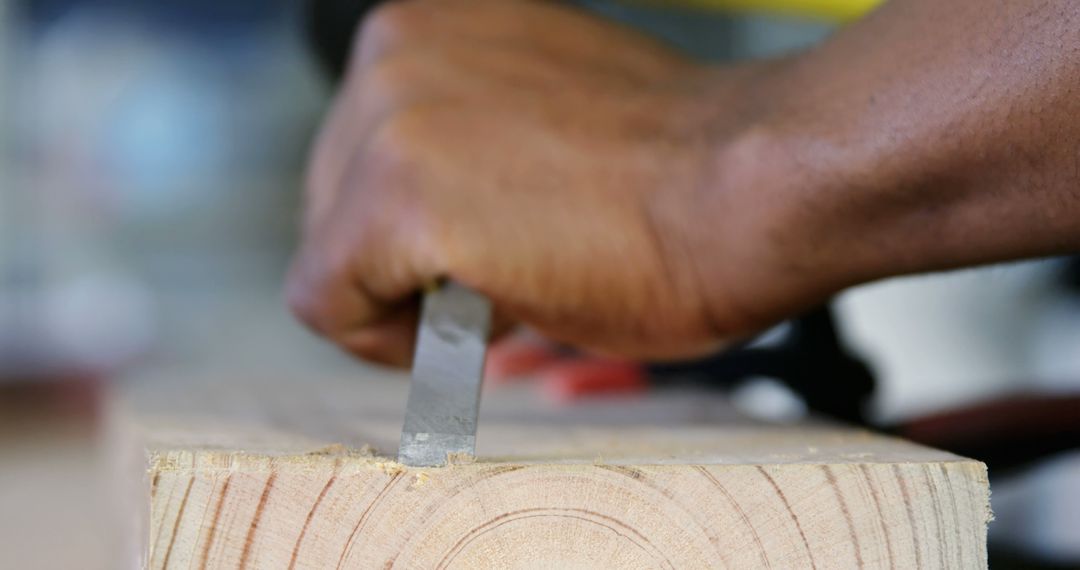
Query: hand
x=544, y=157
x=619, y=197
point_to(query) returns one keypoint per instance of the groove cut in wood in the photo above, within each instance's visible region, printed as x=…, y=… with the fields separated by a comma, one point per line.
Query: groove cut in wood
x=561, y=495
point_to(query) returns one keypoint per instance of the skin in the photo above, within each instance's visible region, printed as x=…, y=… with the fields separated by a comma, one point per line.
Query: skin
x=615, y=195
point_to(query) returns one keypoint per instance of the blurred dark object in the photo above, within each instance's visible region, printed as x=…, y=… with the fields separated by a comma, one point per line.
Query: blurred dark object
x=808, y=359
x=49, y=400
x=1007, y=434
x=1071, y=275
x=1006, y=559
x=331, y=25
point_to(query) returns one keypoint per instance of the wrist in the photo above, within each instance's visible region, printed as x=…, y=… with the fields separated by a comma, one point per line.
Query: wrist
x=780, y=245
x=759, y=230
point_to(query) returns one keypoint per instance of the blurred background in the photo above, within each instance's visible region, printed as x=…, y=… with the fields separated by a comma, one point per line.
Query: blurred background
x=151, y=157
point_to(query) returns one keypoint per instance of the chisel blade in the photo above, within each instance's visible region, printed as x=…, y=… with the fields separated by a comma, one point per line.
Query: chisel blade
x=444, y=397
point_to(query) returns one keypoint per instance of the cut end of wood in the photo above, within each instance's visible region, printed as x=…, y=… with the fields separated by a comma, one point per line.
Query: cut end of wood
x=305, y=478
x=807, y=497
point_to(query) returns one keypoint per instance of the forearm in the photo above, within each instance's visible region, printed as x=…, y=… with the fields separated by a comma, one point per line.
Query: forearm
x=947, y=133
x=931, y=135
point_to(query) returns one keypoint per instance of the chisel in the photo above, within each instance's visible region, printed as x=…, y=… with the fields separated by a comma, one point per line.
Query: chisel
x=444, y=397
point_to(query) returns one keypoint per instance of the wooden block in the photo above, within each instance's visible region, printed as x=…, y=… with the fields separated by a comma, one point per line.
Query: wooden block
x=717, y=494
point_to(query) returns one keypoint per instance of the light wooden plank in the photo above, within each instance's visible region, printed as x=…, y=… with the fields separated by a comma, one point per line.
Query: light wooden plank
x=721, y=492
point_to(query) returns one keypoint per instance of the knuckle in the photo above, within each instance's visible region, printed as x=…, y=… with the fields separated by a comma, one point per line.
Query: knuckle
x=396, y=16
x=402, y=139
x=398, y=169
x=307, y=298
x=322, y=165
x=401, y=166
x=372, y=348
x=305, y=306
x=387, y=25
x=388, y=77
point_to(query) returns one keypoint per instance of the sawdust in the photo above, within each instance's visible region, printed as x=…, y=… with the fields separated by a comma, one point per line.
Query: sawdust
x=460, y=458
x=348, y=459
x=389, y=467
x=420, y=480
x=339, y=449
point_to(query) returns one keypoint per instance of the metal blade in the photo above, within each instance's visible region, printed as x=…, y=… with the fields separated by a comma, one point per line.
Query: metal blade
x=444, y=398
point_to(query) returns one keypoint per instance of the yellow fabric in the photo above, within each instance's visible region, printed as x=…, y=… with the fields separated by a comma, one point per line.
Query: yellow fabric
x=835, y=10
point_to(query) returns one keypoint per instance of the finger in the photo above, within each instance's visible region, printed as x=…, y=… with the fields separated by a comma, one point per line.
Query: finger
x=376, y=83
x=326, y=287
x=334, y=148
x=321, y=294
x=370, y=256
x=391, y=341
x=363, y=104
x=331, y=298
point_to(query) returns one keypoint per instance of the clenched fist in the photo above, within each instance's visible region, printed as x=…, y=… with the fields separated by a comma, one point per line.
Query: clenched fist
x=617, y=196
x=537, y=154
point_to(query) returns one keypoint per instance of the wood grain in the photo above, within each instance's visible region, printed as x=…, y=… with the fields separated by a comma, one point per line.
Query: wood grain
x=562, y=495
